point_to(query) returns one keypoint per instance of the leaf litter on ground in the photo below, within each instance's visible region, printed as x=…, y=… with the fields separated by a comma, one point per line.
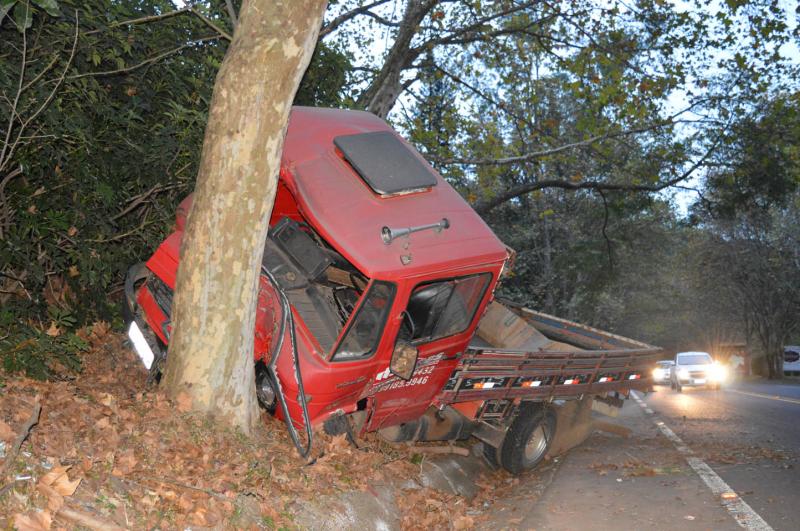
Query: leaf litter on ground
x=109, y=451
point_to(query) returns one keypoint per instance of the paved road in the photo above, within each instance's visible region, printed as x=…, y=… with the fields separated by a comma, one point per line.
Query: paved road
x=749, y=433
x=719, y=460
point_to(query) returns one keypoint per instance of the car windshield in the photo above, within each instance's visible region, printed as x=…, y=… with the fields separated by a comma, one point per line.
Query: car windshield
x=444, y=308
x=694, y=359
x=365, y=329
x=664, y=364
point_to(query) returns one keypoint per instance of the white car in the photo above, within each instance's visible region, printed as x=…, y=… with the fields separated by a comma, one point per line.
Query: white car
x=696, y=368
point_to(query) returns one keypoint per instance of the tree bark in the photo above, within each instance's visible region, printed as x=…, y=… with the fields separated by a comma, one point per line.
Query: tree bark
x=210, y=358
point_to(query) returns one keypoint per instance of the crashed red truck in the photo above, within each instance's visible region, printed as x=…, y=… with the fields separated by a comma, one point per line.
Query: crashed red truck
x=375, y=307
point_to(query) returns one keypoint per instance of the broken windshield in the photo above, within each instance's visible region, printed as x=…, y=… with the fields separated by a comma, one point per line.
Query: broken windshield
x=364, y=332
x=444, y=308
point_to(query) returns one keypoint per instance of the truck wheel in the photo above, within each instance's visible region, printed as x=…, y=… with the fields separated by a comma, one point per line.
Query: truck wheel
x=679, y=387
x=528, y=438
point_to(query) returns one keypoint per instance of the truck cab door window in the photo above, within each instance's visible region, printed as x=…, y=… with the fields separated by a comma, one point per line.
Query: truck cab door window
x=443, y=308
x=362, y=336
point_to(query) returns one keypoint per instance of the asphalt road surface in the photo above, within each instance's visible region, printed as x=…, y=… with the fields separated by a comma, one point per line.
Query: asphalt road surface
x=750, y=435
x=700, y=459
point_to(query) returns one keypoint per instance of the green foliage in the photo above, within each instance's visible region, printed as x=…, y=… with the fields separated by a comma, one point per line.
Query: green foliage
x=38, y=355
x=760, y=164
x=324, y=82
x=116, y=145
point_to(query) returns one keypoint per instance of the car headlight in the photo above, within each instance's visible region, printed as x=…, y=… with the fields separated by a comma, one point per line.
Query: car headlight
x=683, y=374
x=658, y=374
x=718, y=372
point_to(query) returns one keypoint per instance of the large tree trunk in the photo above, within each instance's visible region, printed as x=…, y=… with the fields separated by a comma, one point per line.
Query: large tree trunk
x=210, y=356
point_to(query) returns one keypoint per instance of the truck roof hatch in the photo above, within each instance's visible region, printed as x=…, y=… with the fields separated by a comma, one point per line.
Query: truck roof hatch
x=385, y=163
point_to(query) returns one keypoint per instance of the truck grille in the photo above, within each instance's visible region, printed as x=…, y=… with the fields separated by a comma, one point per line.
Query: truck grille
x=697, y=374
x=161, y=293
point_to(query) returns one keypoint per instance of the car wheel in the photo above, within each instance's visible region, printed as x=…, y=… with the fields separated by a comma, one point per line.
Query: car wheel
x=672, y=385
x=678, y=387
x=528, y=438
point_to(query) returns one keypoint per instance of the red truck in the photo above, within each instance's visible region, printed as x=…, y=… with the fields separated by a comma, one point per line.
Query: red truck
x=375, y=307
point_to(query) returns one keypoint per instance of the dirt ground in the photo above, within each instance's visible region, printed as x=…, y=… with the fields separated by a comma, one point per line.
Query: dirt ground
x=108, y=452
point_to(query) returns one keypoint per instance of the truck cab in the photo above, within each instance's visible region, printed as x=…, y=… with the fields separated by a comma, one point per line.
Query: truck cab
x=385, y=268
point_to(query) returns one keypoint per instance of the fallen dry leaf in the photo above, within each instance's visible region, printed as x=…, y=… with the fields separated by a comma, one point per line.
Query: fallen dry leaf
x=54, y=499
x=124, y=464
x=36, y=521
x=59, y=481
x=6, y=433
x=464, y=522
x=54, y=330
x=184, y=402
x=106, y=399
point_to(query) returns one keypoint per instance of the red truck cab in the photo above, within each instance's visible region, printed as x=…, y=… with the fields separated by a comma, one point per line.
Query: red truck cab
x=376, y=253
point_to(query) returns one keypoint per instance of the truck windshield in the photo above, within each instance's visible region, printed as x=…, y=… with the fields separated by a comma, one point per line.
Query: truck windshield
x=694, y=359
x=366, y=327
x=444, y=308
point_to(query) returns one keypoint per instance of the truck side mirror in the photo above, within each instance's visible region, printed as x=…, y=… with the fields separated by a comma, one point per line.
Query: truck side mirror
x=404, y=360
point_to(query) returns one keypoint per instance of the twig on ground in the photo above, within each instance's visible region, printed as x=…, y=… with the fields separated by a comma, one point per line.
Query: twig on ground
x=185, y=486
x=26, y=429
x=7, y=488
x=83, y=519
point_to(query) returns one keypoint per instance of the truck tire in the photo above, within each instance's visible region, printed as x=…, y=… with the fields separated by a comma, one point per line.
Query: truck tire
x=528, y=438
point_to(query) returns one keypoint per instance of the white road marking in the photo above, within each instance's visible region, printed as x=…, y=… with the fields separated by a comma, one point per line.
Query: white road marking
x=744, y=515
x=760, y=395
x=649, y=411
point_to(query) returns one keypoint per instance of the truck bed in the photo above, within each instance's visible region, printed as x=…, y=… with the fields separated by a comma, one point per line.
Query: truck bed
x=521, y=353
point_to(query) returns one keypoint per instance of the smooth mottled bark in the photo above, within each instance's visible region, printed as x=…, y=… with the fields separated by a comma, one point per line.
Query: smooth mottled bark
x=210, y=357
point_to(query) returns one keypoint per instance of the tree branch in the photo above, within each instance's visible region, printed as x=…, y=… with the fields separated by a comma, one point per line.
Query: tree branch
x=6, y=155
x=232, y=13
x=210, y=23
x=331, y=26
x=147, y=61
x=605, y=226
x=483, y=207
x=142, y=20
x=13, y=112
x=553, y=151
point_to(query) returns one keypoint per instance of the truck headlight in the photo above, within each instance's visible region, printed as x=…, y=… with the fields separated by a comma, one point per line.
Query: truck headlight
x=683, y=374
x=658, y=374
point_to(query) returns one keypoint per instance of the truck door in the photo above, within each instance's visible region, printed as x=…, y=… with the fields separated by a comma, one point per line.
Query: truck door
x=439, y=321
